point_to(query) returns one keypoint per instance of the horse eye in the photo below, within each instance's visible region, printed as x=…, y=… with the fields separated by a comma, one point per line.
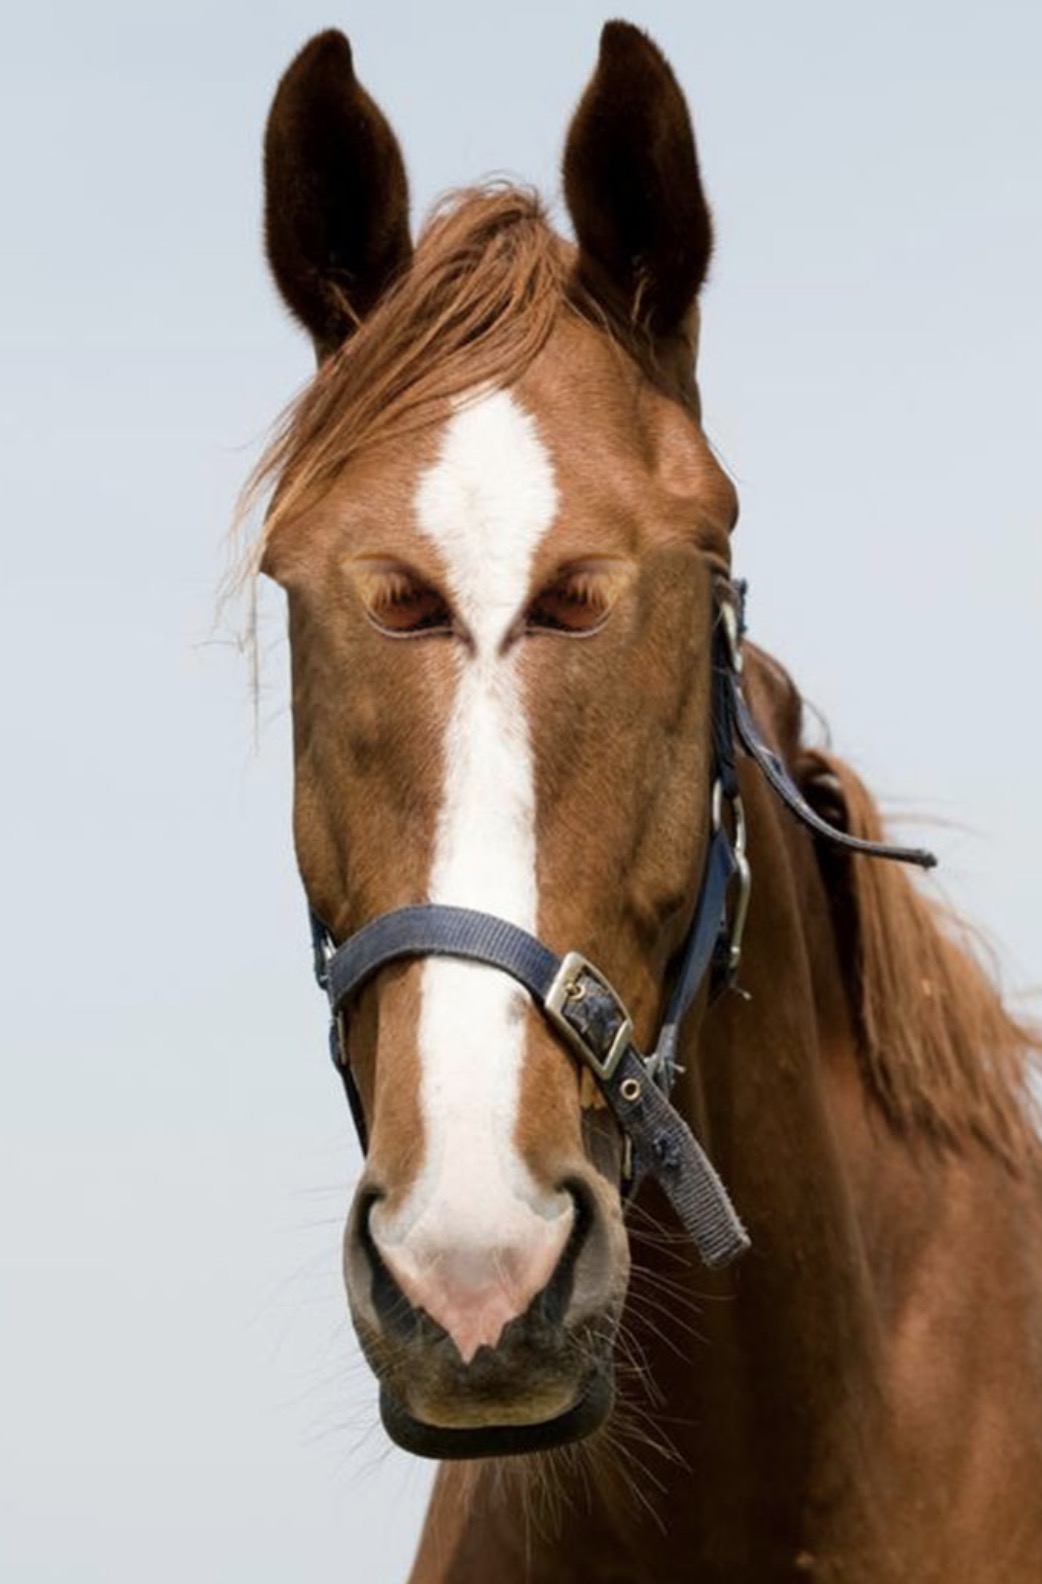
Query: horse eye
x=575, y=602
x=401, y=605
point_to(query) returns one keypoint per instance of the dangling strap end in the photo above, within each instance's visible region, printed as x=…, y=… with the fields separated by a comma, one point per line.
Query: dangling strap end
x=667, y=1150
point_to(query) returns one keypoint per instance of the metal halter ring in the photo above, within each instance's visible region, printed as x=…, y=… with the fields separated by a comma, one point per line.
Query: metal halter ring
x=730, y=623
x=743, y=873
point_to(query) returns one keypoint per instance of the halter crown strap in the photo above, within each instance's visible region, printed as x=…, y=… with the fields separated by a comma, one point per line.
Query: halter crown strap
x=739, y=723
x=781, y=782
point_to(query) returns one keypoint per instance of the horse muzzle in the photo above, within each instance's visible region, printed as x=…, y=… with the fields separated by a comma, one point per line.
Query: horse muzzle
x=547, y=1378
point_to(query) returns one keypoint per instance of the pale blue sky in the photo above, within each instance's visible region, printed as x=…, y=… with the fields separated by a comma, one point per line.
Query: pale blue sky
x=180, y=1394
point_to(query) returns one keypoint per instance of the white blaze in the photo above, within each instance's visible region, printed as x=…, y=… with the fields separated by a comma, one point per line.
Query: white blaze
x=486, y=503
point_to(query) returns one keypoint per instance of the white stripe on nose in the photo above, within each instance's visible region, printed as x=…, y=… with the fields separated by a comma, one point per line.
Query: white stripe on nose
x=477, y=1237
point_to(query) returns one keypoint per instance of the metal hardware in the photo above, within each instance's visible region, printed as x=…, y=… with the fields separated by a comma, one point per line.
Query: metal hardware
x=574, y=979
x=744, y=876
x=322, y=952
x=729, y=618
x=629, y=1089
x=743, y=873
x=740, y=828
x=653, y=1064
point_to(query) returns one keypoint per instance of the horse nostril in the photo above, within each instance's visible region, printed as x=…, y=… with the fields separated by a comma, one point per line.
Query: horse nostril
x=591, y=1277
x=368, y=1275
x=556, y=1297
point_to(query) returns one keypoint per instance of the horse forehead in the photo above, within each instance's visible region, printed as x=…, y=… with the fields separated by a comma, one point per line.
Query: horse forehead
x=487, y=502
x=632, y=465
x=565, y=463
x=578, y=456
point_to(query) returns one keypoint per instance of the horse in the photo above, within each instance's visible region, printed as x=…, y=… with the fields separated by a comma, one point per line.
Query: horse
x=698, y=1233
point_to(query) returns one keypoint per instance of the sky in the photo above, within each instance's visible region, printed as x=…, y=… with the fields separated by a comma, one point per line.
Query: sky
x=181, y=1396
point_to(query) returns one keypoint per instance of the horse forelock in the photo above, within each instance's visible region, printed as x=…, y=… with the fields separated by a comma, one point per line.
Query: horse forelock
x=489, y=281
x=475, y=307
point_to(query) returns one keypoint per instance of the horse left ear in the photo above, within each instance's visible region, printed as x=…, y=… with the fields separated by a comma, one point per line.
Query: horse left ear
x=632, y=184
x=336, y=198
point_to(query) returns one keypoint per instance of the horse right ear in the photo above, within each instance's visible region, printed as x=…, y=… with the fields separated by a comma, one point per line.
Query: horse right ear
x=633, y=187
x=336, y=195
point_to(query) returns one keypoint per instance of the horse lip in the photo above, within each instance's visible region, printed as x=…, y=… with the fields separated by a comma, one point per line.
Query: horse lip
x=586, y=1414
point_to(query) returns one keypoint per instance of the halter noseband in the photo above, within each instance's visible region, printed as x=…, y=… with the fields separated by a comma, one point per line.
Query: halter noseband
x=575, y=997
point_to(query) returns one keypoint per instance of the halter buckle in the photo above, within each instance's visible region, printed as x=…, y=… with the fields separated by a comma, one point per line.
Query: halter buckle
x=589, y=1014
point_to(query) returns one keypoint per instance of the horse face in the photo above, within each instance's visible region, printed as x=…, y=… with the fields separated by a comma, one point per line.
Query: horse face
x=500, y=639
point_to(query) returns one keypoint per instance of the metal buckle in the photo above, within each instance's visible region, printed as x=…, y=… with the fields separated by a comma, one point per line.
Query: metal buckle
x=573, y=983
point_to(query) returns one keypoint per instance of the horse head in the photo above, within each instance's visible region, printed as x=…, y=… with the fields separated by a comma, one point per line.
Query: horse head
x=498, y=523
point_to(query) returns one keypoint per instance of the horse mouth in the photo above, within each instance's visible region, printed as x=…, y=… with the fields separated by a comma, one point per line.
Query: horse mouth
x=547, y=1381
x=580, y=1418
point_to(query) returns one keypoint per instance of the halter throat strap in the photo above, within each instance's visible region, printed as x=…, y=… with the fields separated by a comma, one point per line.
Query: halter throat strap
x=733, y=724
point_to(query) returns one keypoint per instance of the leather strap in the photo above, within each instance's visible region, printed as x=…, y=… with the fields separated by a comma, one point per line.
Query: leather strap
x=700, y=949
x=588, y=1012
x=781, y=782
x=732, y=719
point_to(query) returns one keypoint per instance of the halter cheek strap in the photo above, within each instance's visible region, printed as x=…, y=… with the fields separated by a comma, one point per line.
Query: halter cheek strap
x=576, y=998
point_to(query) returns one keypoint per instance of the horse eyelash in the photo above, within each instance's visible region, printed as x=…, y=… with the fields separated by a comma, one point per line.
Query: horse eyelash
x=395, y=592
x=577, y=590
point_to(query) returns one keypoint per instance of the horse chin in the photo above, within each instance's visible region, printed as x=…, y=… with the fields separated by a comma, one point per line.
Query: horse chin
x=483, y=1431
x=540, y=1387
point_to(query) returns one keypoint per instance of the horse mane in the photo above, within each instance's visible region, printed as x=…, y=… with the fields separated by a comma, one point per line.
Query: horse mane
x=940, y=1052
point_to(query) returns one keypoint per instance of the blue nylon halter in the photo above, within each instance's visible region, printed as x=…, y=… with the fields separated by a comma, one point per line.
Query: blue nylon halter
x=575, y=997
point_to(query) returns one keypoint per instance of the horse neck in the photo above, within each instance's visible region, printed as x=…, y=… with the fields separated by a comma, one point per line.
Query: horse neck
x=796, y=1386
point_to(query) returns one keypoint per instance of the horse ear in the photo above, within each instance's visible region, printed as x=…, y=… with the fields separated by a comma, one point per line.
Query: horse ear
x=632, y=184
x=336, y=196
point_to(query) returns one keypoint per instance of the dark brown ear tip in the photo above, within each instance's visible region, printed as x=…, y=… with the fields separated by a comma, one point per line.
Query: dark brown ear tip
x=626, y=45
x=321, y=72
x=329, y=48
x=326, y=62
x=618, y=33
